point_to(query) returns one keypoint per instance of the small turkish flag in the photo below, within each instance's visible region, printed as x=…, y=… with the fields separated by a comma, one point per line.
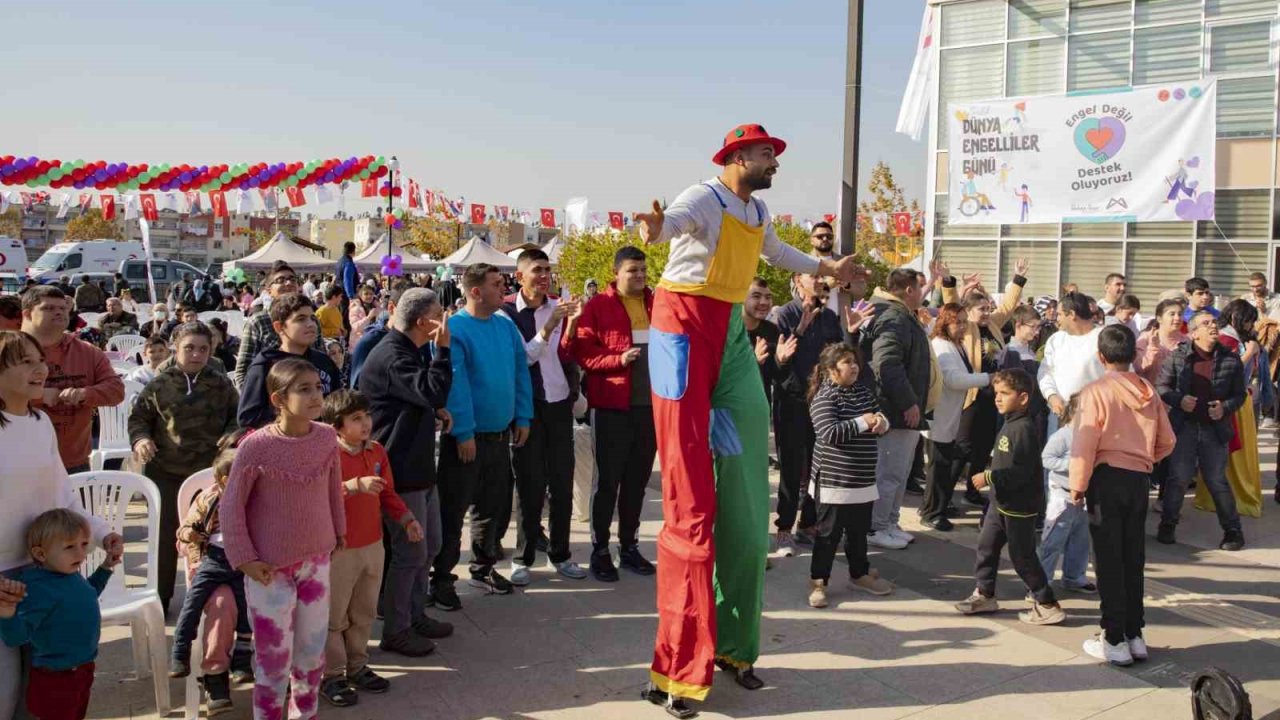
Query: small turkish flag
x=193, y=202
x=902, y=223
x=369, y=187
x=218, y=201
x=477, y=214
x=548, y=218
x=785, y=219
x=28, y=201
x=108, y=205
x=829, y=218
x=296, y=198
x=413, y=195
x=615, y=220
x=86, y=201
x=149, y=210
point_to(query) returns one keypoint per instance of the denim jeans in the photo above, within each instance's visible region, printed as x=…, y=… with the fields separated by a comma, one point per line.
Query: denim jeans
x=1199, y=448
x=407, y=576
x=1065, y=536
x=897, y=451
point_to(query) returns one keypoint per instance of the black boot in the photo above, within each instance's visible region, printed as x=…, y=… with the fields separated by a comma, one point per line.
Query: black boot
x=242, y=662
x=675, y=706
x=217, y=690
x=746, y=677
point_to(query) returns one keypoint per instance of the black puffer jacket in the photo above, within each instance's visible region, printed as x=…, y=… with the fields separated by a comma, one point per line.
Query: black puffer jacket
x=1228, y=386
x=897, y=350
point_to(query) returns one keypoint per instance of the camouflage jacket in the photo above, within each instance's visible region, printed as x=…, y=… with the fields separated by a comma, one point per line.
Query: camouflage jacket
x=185, y=418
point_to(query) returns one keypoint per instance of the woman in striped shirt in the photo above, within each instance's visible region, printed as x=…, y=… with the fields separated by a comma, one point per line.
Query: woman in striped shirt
x=846, y=421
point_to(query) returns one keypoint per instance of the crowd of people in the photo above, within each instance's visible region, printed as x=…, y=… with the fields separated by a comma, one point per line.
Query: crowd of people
x=332, y=505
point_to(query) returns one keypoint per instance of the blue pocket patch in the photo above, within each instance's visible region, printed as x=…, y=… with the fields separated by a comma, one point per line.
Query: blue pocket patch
x=668, y=364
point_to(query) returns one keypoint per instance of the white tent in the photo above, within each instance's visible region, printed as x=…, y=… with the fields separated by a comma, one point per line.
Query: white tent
x=280, y=247
x=479, y=251
x=371, y=257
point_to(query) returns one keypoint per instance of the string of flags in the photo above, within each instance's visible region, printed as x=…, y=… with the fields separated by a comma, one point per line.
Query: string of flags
x=146, y=190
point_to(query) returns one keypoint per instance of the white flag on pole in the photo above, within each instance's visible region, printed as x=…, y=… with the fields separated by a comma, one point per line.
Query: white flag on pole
x=4, y=202
x=243, y=203
x=130, y=207
x=324, y=195
x=145, y=230
x=915, y=98
x=170, y=201
x=64, y=205
x=576, y=215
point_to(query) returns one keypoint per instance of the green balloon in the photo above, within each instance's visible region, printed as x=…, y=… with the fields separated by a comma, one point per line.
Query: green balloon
x=380, y=161
x=225, y=177
x=78, y=164
x=33, y=182
x=364, y=174
x=56, y=173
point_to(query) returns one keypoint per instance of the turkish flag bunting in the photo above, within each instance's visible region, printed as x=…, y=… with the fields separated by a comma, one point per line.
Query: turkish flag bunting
x=369, y=187
x=149, y=210
x=902, y=223
x=548, y=218
x=413, y=195
x=296, y=198
x=218, y=200
x=477, y=213
x=86, y=201
x=108, y=205
x=503, y=212
x=829, y=218
x=615, y=220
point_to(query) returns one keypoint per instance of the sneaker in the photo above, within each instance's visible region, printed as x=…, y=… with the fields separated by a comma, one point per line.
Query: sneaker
x=1232, y=541
x=1086, y=587
x=786, y=543
x=631, y=559
x=1098, y=647
x=338, y=692
x=817, y=593
x=952, y=511
x=179, y=668
x=887, y=540
x=445, y=596
x=872, y=584
x=570, y=569
x=366, y=680
x=1268, y=424
x=805, y=536
x=602, y=567
x=1041, y=614
x=431, y=628
x=941, y=524
x=492, y=583
x=541, y=543
x=1137, y=648
x=217, y=692
x=519, y=574
x=978, y=604
x=408, y=643
x=897, y=531
x=1165, y=534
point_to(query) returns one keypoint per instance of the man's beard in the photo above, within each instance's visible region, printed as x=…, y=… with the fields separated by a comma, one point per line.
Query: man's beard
x=824, y=246
x=759, y=181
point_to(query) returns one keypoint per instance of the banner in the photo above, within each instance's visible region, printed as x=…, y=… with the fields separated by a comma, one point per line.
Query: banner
x=477, y=214
x=108, y=205
x=149, y=211
x=1144, y=155
x=615, y=220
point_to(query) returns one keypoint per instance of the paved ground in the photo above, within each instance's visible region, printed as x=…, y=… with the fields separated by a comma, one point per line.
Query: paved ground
x=566, y=649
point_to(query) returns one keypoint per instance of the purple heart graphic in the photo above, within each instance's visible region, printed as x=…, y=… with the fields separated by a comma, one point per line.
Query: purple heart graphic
x=1100, y=139
x=1200, y=208
x=1194, y=162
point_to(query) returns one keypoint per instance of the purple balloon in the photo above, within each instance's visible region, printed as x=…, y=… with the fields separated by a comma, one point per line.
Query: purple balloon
x=7, y=170
x=328, y=177
x=100, y=175
x=19, y=164
x=262, y=176
x=185, y=178
x=33, y=160
x=204, y=169
x=254, y=182
x=244, y=184
x=79, y=184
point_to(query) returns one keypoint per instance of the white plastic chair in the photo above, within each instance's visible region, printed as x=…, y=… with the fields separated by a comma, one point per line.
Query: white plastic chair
x=113, y=429
x=106, y=495
x=235, y=322
x=91, y=318
x=208, y=315
x=127, y=344
x=194, y=484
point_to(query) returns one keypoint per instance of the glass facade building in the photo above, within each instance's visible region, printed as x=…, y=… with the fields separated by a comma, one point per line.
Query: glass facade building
x=1009, y=48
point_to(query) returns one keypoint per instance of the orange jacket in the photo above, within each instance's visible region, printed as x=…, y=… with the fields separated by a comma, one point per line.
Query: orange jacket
x=1122, y=423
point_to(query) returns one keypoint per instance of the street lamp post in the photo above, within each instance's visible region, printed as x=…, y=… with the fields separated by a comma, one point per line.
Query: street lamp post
x=852, y=99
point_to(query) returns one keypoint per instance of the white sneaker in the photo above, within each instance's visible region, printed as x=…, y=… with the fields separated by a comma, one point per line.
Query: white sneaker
x=1098, y=647
x=519, y=574
x=1138, y=648
x=898, y=532
x=786, y=544
x=886, y=539
x=569, y=569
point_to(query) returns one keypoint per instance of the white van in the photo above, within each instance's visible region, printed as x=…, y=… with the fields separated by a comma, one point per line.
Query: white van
x=13, y=264
x=87, y=257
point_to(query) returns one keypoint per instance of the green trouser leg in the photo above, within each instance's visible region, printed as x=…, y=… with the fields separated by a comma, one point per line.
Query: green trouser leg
x=742, y=502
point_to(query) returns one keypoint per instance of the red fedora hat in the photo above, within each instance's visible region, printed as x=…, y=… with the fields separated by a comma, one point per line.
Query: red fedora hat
x=744, y=135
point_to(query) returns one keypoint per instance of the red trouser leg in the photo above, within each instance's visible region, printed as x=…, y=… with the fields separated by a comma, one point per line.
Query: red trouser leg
x=686, y=342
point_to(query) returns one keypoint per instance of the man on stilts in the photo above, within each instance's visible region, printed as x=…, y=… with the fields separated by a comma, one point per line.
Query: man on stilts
x=712, y=420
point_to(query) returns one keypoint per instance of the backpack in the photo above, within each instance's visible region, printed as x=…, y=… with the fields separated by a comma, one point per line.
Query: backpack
x=1217, y=695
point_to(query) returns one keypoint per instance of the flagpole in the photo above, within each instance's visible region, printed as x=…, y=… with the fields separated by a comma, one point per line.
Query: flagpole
x=852, y=99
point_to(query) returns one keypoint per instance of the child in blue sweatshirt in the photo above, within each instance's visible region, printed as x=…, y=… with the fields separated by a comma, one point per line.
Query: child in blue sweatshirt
x=59, y=615
x=1066, y=525
x=491, y=402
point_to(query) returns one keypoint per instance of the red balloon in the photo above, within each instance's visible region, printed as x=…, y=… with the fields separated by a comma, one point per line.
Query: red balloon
x=396, y=191
x=384, y=192
x=382, y=171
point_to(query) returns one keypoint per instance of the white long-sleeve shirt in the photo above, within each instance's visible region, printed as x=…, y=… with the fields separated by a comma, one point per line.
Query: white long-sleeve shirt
x=1070, y=362
x=956, y=382
x=692, y=226
x=555, y=386
x=32, y=480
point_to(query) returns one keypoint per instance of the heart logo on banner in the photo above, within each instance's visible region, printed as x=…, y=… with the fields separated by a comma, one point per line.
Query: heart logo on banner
x=1099, y=139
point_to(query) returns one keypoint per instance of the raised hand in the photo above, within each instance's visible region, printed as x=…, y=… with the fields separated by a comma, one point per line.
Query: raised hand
x=848, y=270
x=650, y=223
x=762, y=350
x=787, y=349
x=857, y=315
x=441, y=335
x=1021, y=266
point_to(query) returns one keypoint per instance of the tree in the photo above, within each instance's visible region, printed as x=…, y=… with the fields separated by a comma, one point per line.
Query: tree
x=92, y=226
x=887, y=197
x=797, y=237
x=437, y=238
x=11, y=223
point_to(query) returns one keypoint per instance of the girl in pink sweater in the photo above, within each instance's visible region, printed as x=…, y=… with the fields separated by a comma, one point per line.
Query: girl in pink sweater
x=282, y=515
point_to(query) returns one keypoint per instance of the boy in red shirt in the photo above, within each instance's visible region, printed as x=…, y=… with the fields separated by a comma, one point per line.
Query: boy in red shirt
x=355, y=573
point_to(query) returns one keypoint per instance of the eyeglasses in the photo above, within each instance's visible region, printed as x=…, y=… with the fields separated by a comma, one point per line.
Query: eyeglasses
x=284, y=280
x=824, y=236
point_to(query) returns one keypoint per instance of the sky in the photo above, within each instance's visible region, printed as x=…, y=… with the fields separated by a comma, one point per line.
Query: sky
x=506, y=103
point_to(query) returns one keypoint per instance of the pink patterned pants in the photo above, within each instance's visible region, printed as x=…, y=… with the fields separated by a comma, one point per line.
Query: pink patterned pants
x=290, y=620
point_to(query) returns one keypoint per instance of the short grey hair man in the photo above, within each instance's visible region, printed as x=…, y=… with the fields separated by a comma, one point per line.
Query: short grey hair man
x=412, y=306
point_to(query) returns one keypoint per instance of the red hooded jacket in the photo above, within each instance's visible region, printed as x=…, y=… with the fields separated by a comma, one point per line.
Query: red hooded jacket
x=602, y=336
